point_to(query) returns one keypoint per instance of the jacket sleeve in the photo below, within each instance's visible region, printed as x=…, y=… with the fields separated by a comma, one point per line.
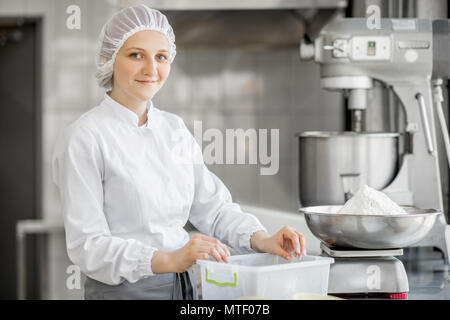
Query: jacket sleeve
x=78, y=168
x=213, y=211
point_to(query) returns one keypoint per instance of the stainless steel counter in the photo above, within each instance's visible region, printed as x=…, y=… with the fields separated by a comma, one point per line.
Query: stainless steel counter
x=428, y=276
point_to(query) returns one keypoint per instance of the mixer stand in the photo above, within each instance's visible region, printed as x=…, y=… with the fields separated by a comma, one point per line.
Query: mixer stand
x=360, y=273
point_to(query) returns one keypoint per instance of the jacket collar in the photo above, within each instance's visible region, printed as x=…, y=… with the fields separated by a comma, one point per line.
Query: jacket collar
x=126, y=114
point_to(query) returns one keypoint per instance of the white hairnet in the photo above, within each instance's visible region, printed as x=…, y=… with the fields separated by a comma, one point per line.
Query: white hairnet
x=119, y=28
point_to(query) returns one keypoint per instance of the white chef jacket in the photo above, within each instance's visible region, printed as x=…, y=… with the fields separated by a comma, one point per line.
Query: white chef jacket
x=128, y=190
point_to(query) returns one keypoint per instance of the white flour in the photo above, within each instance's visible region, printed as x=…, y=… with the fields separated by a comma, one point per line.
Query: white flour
x=370, y=201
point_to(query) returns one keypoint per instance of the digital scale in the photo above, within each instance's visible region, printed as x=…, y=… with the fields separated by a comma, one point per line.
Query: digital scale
x=360, y=273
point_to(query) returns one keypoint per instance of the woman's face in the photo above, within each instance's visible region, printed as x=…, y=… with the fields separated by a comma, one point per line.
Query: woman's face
x=141, y=66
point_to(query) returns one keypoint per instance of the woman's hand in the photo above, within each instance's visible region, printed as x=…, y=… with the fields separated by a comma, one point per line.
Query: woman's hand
x=199, y=247
x=281, y=243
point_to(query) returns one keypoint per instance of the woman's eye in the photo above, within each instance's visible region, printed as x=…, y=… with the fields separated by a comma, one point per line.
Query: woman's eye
x=161, y=57
x=136, y=55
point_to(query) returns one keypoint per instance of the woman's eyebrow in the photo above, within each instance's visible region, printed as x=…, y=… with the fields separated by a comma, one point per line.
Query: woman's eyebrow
x=137, y=48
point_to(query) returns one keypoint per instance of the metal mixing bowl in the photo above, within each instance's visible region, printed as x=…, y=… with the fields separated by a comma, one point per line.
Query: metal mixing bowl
x=369, y=231
x=325, y=157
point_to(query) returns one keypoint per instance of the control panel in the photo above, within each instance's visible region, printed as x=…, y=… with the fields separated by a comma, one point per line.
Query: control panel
x=363, y=48
x=371, y=48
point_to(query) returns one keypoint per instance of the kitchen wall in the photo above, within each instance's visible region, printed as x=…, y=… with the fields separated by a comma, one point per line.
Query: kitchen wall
x=225, y=89
x=69, y=89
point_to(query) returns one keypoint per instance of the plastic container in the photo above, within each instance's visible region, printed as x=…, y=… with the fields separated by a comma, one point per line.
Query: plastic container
x=264, y=275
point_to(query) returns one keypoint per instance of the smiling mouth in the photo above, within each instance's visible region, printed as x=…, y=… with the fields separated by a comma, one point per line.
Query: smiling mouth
x=147, y=82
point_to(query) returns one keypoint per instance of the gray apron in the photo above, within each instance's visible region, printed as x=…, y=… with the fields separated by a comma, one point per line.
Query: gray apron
x=164, y=286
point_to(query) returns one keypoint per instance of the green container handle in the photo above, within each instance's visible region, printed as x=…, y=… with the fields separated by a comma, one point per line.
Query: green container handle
x=222, y=284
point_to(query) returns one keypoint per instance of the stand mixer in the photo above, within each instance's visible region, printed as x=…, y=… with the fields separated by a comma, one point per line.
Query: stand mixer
x=411, y=58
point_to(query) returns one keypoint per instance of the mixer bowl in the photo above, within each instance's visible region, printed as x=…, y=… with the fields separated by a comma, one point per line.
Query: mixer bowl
x=325, y=156
x=369, y=231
